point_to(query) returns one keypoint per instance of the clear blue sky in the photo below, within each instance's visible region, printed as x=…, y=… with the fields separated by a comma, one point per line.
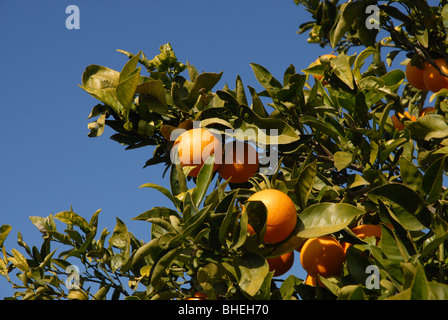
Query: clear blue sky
x=47, y=162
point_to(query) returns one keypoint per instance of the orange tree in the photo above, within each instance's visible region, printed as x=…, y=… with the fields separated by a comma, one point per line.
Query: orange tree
x=329, y=145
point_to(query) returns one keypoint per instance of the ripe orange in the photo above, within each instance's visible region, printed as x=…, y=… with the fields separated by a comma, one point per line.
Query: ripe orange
x=281, y=264
x=240, y=162
x=415, y=76
x=281, y=214
x=433, y=79
x=328, y=56
x=322, y=256
x=364, y=231
x=195, y=146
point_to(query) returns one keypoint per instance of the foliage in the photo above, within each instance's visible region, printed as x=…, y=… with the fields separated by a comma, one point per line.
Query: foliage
x=335, y=153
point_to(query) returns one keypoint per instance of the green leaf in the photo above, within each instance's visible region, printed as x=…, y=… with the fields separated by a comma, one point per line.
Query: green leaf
x=320, y=125
x=151, y=248
x=266, y=79
x=349, y=12
x=4, y=231
x=305, y=183
x=93, y=224
x=101, y=83
x=325, y=218
x=38, y=275
x=19, y=260
x=126, y=91
x=156, y=212
x=393, y=78
x=120, y=238
x=342, y=160
x=155, y=96
x=263, y=130
x=352, y=292
x=207, y=276
x=342, y=70
x=431, y=126
x=405, y=203
x=422, y=37
x=69, y=217
x=257, y=217
x=391, y=148
x=440, y=228
x=437, y=291
x=161, y=189
x=129, y=68
x=432, y=182
x=161, y=266
x=101, y=293
x=240, y=234
x=411, y=176
x=192, y=224
x=203, y=181
x=99, y=77
x=419, y=286
x=240, y=93
x=192, y=71
x=230, y=217
x=252, y=269
x=178, y=182
x=288, y=287
x=389, y=245
x=257, y=106
x=204, y=81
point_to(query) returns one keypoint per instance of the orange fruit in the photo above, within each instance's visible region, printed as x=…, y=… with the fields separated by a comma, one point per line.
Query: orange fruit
x=364, y=231
x=281, y=264
x=328, y=56
x=433, y=79
x=414, y=75
x=240, y=162
x=281, y=214
x=322, y=256
x=195, y=146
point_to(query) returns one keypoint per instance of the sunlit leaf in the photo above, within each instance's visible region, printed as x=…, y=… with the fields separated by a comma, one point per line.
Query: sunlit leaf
x=252, y=269
x=325, y=218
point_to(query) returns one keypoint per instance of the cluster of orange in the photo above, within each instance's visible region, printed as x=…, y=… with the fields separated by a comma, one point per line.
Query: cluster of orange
x=322, y=256
x=196, y=145
x=427, y=78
